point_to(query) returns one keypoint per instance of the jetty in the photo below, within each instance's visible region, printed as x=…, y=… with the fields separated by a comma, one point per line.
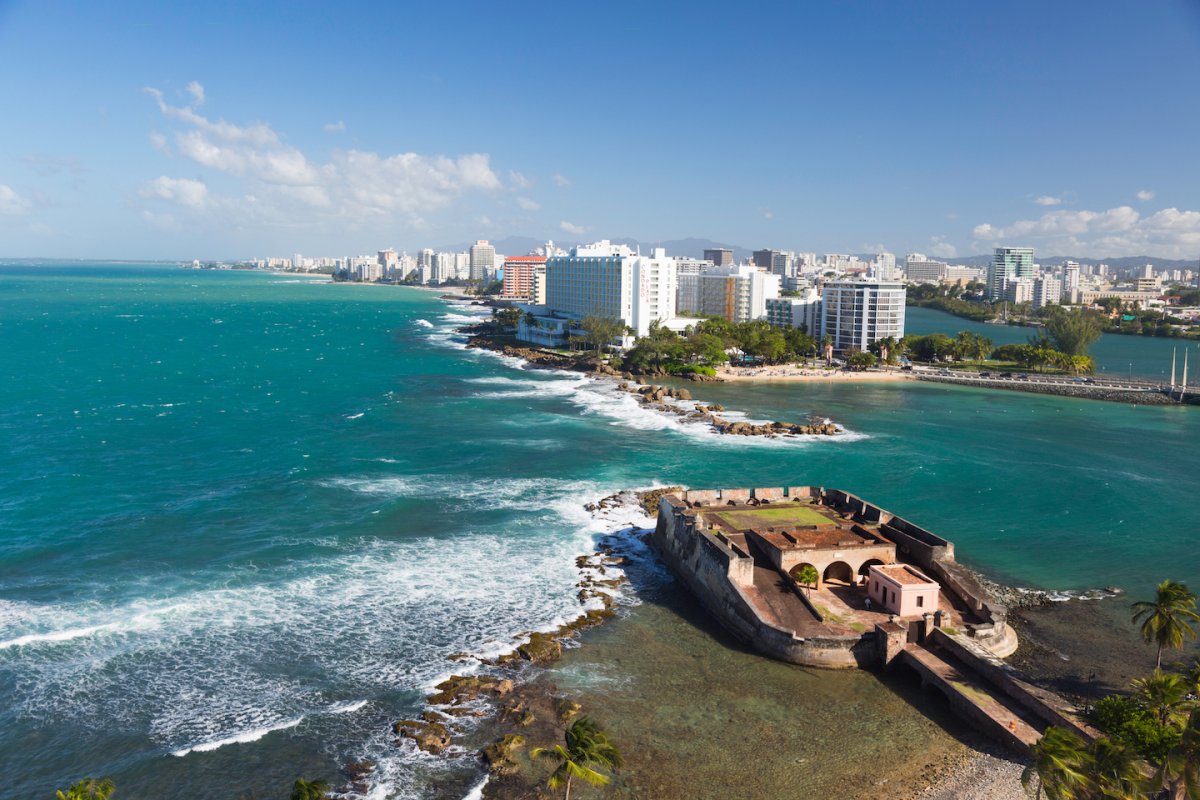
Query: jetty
x=821, y=578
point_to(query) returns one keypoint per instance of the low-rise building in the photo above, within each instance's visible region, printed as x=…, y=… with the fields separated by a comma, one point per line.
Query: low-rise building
x=902, y=589
x=796, y=312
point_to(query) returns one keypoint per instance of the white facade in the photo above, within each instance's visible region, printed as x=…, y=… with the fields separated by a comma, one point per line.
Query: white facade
x=738, y=292
x=884, y=267
x=856, y=313
x=919, y=269
x=687, y=284
x=483, y=258
x=611, y=281
x=1017, y=290
x=1047, y=291
x=796, y=312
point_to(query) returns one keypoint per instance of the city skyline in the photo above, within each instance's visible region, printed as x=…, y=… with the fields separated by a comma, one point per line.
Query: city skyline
x=946, y=130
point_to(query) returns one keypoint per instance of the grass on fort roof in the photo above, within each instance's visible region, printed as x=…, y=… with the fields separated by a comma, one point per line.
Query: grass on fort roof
x=793, y=514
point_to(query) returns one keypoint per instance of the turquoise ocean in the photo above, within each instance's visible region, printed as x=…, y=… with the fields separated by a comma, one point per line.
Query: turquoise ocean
x=245, y=518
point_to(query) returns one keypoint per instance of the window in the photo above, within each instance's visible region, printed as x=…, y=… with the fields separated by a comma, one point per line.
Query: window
x=920, y=601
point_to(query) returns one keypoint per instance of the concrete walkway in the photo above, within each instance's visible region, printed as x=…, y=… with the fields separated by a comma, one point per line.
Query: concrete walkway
x=973, y=697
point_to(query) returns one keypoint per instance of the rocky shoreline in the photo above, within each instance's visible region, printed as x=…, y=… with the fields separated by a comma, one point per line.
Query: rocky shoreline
x=659, y=398
x=507, y=706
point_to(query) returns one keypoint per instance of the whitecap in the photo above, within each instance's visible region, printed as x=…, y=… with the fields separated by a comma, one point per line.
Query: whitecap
x=245, y=737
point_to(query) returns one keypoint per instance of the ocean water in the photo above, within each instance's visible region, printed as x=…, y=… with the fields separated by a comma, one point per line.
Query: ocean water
x=245, y=518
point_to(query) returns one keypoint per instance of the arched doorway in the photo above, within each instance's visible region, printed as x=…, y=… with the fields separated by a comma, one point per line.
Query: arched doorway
x=797, y=574
x=865, y=569
x=839, y=572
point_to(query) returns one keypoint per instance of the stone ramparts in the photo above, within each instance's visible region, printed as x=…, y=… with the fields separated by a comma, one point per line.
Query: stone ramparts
x=720, y=575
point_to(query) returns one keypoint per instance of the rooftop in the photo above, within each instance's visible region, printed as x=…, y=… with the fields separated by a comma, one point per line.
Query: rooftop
x=903, y=573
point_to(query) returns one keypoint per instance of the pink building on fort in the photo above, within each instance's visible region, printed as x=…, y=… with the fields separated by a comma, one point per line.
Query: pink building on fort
x=902, y=589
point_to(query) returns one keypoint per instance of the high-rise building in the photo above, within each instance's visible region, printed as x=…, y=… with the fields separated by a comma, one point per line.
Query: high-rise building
x=738, y=292
x=720, y=256
x=1070, y=282
x=764, y=259
x=387, y=261
x=520, y=279
x=610, y=280
x=483, y=258
x=796, y=312
x=687, y=284
x=855, y=313
x=1047, y=290
x=884, y=267
x=919, y=269
x=1008, y=263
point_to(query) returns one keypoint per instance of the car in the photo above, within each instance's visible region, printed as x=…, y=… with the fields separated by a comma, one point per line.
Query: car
x=1006, y=374
x=1089, y=380
x=906, y=368
x=1022, y=377
x=985, y=374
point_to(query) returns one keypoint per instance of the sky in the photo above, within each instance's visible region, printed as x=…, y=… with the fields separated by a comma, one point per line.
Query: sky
x=222, y=130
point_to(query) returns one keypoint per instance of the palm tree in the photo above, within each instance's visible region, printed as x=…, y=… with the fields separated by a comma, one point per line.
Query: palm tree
x=1163, y=695
x=827, y=345
x=1060, y=767
x=88, y=789
x=309, y=790
x=808, y=576
x=1180, y=770
x=1116, y=771
x=586, y=745
x=1166, y=620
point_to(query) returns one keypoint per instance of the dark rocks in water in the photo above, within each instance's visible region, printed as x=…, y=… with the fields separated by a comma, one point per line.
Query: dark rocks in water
x=499, y=754
x=540, y=648
x=517, y=713
x=462, y=688
x=648, y=500
x=566, y=708
x=432, y=737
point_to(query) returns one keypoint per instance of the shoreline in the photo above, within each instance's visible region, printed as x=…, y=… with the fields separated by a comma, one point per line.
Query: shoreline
x=519, y=702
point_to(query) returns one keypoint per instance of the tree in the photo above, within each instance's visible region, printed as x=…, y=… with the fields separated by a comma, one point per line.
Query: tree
x=1115, y=771
x=808, y=576
x=1167, y=620
x=1073, y=332
x=1180, y=770
x=860, y=360
x=88, y=789
x=827, y=346
x=586, y=745
x=971, y=346
x=1162, y=695
x=1060, y=766
x=507, y=317
x=309, y=790
x=600, y=331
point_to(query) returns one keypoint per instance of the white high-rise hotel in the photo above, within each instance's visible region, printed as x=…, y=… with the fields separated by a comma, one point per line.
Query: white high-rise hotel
x=610, y=280
x=855, y=313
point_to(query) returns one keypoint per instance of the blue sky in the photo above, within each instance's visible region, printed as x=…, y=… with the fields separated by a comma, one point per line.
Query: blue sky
x=940, y=127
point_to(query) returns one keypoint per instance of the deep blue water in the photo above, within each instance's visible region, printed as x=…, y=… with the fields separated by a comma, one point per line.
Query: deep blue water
x=244, y=518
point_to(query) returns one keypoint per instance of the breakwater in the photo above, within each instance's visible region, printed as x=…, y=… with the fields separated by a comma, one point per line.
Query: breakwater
x=1113, y=393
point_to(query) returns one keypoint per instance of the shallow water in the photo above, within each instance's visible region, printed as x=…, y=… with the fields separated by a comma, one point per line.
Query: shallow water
x=245, y=518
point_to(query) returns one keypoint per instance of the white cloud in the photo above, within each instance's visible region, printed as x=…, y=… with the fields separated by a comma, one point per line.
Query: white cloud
x=527, y=204
x=334, y=127
x=561, y=180
x=518, y=181
x=183, y=191
x=1048, y=200
x=485, y=221
x=159, y=143
x=768, y=213
x=939, y=247
x=575, y=230
x=1145, y=195
x=12, y=203
x=197, y=92
x=1120, y=231
x=280, y=185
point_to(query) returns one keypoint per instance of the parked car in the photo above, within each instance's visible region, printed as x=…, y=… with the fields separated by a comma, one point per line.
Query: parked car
x=985, y=374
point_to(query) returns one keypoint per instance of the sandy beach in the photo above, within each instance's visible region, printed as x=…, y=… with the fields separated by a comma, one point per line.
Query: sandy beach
x=791, y=372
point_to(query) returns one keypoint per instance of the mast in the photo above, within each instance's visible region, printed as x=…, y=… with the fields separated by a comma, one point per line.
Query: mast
x=1173, y=349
